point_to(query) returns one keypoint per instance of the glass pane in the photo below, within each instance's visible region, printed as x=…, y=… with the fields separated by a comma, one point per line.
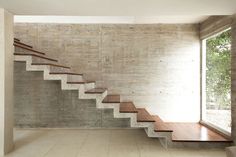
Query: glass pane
x=218, y=81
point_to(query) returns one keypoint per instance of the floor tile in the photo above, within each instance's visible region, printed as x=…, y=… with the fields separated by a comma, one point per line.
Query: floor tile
x=153, y=151
x=97, y=143
x=214, y=153
x=179, y=152
x=124, y=150
x=63, y=151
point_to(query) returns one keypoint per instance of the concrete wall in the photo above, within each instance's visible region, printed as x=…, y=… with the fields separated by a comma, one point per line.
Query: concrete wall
x=6, y=82
x=40, y=103
x=213, y=25
x=155, y=66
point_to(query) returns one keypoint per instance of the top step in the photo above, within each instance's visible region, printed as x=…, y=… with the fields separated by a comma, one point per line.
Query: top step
x=16, y=39
x=34, y=55
x=144, y=116
x=111, y=99
x=28, y=48
x=23, y=44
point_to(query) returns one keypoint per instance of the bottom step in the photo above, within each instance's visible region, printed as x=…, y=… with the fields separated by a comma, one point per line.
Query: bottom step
x=189, y=132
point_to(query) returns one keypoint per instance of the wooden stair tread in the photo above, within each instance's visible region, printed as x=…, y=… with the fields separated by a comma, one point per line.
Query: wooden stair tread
x=81, y=82
x=195, y=132
x=158, y=119
x=161, y=126
x=27, y=48
x=144, y=116
x=111, y=99
x=64, y=73
x=28, y=54
x=96, y=91
x=56, y=65
x=16, y=39
x=189, y=132
x=23, y=44
x=127, y=107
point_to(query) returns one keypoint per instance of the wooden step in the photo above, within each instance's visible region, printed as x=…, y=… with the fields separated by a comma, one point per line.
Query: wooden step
x=111, y=99
x=55, y=65
x=80, y=82
x=27, y=48
x=64, y=73
x=15, y=39
x=96, y=91
x=127, y=107
x=144, y=116
x=26, y=54
x=23, y=44
x=161, y=126
x=195, y=132
x=189, y=132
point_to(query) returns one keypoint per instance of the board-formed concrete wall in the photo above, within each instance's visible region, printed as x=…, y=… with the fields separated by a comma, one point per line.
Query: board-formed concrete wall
x=40, y=103
x=155, y=66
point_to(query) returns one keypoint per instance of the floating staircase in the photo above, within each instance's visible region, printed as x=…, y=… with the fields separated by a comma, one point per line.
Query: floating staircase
x=170, y=134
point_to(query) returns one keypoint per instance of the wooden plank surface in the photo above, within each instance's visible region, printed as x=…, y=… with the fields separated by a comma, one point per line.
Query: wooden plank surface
x=56, y=65
x=189, y=132
x=161, y=126
x=111, y=99
x=127, y=107
x=64, y=73
x=96, y=91
x=27, y=48
x=34, y=55
x=195, y=132
x=144, y=116
x=80, y=82
x=23, y=44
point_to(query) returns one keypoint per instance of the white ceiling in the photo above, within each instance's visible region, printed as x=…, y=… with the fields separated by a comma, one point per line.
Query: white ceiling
x=109, y=19
x=142, y=10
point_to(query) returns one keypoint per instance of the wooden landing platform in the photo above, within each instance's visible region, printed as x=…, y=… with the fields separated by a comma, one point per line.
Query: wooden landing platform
x=189, y=132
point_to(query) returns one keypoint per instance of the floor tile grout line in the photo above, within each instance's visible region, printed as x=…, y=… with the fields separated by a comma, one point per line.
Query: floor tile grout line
x=49, y=150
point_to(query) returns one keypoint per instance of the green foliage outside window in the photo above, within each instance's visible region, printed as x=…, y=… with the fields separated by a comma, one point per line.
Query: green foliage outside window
x=218, y=71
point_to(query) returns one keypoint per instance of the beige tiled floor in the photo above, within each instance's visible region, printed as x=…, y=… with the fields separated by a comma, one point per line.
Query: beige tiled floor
x=97, y=143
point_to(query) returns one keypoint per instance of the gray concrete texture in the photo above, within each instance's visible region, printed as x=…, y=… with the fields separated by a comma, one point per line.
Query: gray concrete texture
x=40, y=103
x=155, y=66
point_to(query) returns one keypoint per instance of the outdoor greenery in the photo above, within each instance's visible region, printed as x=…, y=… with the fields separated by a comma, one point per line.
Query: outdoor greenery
x=218, y=73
